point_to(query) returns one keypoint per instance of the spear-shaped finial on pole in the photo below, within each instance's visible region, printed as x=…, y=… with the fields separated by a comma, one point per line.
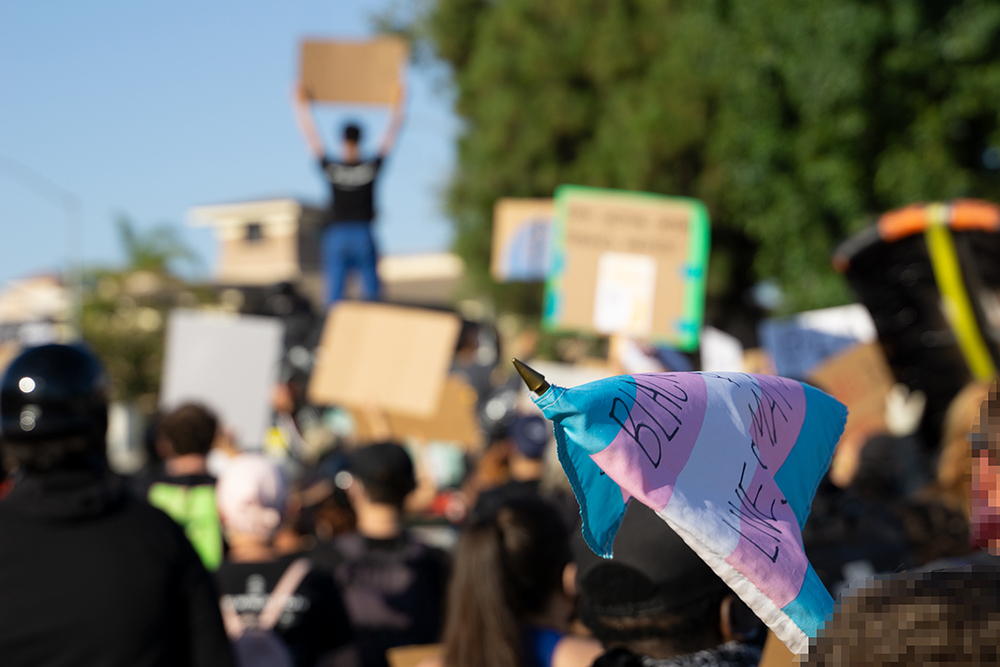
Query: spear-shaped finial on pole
x=535, y=380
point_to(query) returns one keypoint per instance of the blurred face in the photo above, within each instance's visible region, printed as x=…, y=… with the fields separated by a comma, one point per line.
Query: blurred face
x=282, y=399
x=350, y=149
x=986, y=501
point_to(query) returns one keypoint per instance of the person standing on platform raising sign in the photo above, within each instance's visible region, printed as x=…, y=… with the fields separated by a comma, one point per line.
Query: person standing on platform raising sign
x=347, y=243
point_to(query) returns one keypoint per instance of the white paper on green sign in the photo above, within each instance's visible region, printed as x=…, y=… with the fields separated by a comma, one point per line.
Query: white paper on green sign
x=625, y=293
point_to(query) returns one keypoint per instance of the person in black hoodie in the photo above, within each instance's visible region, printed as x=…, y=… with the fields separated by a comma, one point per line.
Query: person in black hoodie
x=89, y=574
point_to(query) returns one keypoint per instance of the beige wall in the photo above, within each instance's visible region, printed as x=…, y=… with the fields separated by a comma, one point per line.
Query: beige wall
x=271, y=259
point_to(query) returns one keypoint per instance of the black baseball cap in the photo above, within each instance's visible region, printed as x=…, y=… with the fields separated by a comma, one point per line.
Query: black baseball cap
x=652, y=572
x=530, y=434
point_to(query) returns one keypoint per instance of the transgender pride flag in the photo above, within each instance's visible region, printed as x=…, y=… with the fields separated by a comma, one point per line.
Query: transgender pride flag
x=730, y=461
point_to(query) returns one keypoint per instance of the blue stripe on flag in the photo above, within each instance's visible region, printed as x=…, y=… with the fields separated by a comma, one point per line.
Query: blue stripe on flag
x=809, y=609
x=805, y=466
x=601, y=504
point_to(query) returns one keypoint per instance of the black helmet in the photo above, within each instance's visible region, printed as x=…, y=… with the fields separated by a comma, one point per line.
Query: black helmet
x=54, y=391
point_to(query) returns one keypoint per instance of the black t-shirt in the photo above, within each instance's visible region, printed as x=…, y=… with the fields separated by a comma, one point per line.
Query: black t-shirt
x=315, y=621
x=394, y=590
x=352, y=189
x=92, y=576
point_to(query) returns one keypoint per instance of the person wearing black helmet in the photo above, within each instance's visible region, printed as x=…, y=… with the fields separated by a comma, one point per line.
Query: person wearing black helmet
x=89, y=575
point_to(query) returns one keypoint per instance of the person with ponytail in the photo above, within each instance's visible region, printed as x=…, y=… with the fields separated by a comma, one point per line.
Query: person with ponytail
x=512, y=593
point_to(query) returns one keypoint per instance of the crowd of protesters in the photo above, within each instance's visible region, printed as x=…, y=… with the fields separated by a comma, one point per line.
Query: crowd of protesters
x=252, y=561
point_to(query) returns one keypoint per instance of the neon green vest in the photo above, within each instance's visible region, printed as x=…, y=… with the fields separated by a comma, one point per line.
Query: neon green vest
x=193, y=507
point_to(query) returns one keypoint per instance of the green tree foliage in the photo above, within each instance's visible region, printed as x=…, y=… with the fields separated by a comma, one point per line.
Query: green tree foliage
x=153, y=250
x=125, y=310
x=796, y=121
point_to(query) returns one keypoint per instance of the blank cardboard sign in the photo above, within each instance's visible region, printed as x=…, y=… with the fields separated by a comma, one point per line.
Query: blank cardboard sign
x=860, y=378
x=227, y=362
x=454, y=421
x=522, y=229
x=628, y=263
x=411, y=656
x=375, y=355
x=357, y=72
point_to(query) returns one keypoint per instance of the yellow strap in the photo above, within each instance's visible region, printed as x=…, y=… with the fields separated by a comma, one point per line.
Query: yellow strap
x=957, y=307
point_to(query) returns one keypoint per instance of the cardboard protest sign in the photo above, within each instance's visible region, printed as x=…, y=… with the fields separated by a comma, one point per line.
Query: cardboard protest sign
x=860, y=378
x=454, y=420
x=775, y=653
x=756, y=360
x=375, y=355
x=229, y=363
x=730, y=461
x=800, y=342
x=628, y=263
x=411, y=656
x=366, y=72
x=522, y=229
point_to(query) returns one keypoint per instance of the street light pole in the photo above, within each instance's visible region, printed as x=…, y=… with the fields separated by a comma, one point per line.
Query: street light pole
x=70, y=204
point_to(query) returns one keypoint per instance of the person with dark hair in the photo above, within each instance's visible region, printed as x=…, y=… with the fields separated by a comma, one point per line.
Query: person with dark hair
x=512, y=592
x=851, y=533
x=932, y=619
x=347, y=243
x=657, y=604
x=527, y=437
x=182, y=487
x=90, y=575
x=393, y=585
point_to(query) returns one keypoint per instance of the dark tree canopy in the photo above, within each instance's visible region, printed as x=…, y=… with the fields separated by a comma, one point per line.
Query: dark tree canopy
x=794, y=120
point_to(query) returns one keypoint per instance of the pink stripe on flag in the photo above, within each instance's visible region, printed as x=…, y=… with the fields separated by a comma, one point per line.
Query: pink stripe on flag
x=770, y=552
x=777, y=419
x=656, y=436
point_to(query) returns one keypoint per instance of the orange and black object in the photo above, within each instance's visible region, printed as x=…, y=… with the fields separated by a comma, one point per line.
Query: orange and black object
x=930, y=276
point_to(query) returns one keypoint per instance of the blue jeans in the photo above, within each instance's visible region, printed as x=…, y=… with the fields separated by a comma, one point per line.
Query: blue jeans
x=347, y=246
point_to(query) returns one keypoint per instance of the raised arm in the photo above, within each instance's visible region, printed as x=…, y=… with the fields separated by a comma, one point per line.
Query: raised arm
x=389, y=140
x=304, y=116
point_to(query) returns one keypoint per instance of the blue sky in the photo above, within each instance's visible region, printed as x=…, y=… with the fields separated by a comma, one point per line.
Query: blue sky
x=148, y=109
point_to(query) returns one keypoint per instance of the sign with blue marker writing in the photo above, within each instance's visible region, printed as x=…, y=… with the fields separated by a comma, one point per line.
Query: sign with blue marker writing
x=800, y=343
x=730, y=461
x=628, y=263
x=521, y=232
